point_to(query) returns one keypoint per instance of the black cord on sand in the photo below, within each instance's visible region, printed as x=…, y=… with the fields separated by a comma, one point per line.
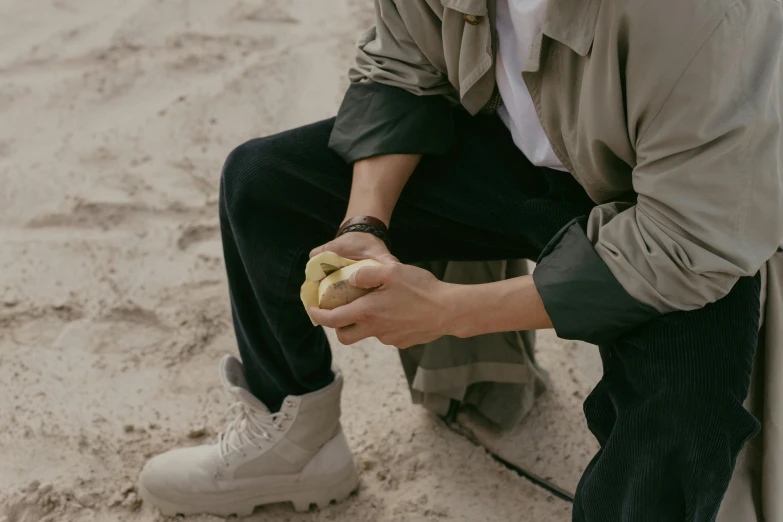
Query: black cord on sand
x=535, y=479
x=450, y=419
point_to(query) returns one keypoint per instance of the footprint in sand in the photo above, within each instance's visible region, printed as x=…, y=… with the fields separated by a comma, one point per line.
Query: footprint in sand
x=197, y=234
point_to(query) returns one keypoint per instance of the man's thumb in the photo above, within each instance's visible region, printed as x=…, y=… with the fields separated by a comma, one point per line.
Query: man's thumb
x=387, y=259
x=368, y=277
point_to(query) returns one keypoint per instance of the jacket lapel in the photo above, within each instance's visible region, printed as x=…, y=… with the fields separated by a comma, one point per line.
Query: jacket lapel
x=572, y=23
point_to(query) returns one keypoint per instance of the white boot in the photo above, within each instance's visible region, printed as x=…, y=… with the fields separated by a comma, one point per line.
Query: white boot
x=297, y=455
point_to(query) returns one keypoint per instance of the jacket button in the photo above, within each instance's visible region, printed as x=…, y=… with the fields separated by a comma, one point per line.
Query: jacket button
x=471, y=19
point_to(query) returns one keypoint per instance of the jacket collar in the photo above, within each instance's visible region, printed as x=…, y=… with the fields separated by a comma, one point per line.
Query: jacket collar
x=572, y=23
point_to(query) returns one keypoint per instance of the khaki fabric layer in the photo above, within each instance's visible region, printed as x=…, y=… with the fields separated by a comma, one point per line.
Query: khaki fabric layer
x=667, y=113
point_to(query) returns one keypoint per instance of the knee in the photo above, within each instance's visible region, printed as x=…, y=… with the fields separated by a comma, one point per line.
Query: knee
x=681, y=419
x=718, y=421
x=710, y=431
x=242, y=170
x=660, y=451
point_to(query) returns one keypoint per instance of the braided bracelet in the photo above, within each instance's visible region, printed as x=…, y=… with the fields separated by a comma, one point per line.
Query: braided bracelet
x=368, y=225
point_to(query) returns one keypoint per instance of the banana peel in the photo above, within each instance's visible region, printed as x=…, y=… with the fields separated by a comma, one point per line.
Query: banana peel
x=326, y=283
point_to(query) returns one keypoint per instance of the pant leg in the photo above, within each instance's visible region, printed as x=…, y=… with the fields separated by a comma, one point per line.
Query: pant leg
x=269, y=221
x=668, y=414
x=285, y=194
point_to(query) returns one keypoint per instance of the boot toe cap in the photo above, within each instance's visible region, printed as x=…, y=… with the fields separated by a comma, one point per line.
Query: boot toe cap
x=180, y=472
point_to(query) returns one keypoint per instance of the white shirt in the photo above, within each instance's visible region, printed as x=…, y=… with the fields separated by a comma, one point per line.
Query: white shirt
x=518, y=22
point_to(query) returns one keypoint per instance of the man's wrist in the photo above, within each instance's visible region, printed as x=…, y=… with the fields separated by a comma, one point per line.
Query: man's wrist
x=367, y=203
x=456, y=309
x=368, y=225
x=376, y=211
x=502, y=306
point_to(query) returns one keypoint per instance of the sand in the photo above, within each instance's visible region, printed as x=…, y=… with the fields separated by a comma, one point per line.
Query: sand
x=115, y=118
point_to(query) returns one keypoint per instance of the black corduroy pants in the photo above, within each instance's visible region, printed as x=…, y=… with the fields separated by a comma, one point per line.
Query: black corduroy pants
x=668, y=412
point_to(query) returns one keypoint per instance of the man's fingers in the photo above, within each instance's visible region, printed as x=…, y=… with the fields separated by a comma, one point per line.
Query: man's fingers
x=355, y=312
x=337, y=318
x=352, y=334
x=317, y=250
x=370, y=276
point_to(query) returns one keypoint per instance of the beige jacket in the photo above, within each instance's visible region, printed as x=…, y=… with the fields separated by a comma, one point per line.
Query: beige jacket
x=668, y=113
x=686, y=115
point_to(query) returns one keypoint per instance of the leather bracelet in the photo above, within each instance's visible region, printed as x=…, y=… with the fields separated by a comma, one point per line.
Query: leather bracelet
x=364, y=220
x=366, y=224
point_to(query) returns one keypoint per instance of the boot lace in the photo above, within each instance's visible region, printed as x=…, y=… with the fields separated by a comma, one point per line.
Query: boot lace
x=249, y=427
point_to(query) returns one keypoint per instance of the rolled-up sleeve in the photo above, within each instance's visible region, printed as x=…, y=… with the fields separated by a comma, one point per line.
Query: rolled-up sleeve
x=709, y=194
x=400, y=99
x=379, y=119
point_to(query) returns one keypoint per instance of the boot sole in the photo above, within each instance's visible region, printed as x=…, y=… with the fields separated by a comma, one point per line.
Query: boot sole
x=340, y=487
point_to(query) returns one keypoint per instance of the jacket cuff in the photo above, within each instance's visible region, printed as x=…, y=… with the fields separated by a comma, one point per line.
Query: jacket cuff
x=581, y=295
x=377, y=119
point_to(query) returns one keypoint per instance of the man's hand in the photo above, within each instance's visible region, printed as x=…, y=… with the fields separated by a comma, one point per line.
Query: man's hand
x=358, y=246
x=409, y=306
